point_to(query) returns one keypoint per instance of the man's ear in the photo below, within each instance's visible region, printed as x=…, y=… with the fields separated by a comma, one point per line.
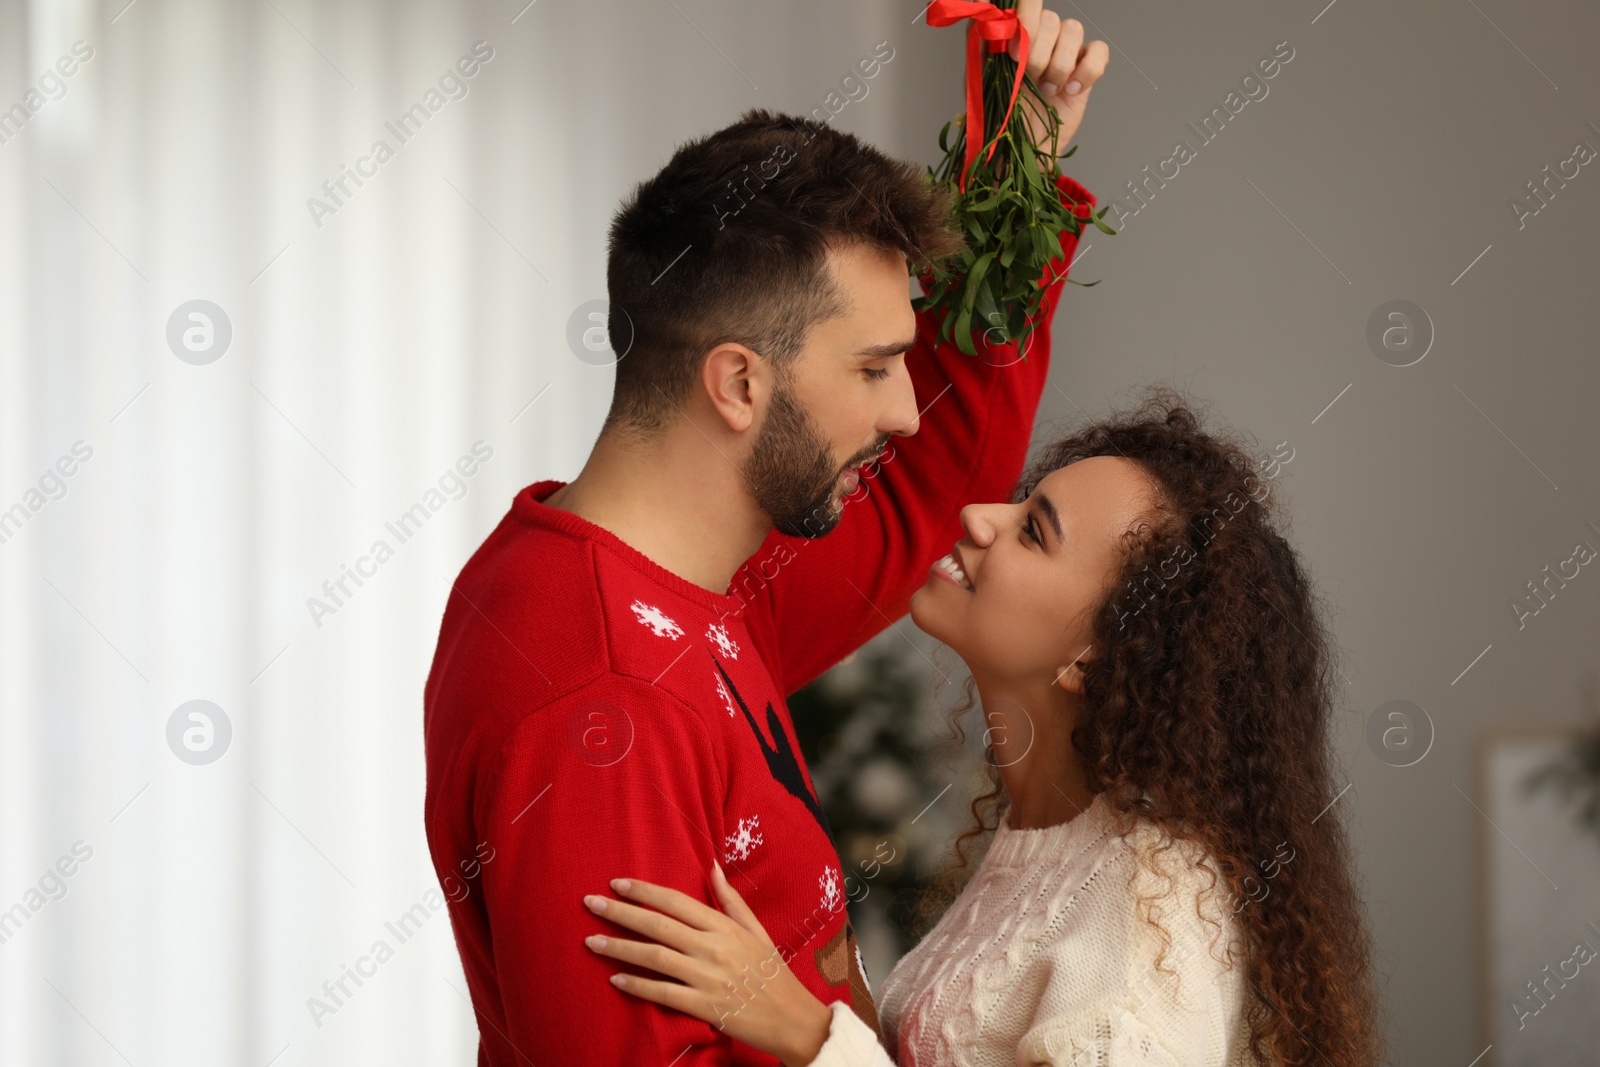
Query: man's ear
x=735, y=381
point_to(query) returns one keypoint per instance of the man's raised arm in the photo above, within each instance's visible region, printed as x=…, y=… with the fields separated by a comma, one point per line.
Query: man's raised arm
x=827, y=596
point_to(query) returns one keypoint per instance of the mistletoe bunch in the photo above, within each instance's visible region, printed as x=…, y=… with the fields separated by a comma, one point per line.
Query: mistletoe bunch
x=1007, y=203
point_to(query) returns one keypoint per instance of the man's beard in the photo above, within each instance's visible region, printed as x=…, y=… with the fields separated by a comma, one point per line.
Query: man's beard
x=791, y=471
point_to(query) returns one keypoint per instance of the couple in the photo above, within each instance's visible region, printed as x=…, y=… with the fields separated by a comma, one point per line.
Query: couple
x=793, y=459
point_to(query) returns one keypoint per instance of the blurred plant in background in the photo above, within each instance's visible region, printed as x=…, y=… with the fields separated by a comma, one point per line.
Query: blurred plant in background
x=878, y=752
x=1574, y=775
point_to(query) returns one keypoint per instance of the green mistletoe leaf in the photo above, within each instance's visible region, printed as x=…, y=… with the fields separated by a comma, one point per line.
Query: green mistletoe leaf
x=1012, y=214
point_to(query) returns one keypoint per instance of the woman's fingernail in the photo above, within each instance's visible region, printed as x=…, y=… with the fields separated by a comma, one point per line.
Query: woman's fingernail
x=618, y=980
x=595, y=941
x=1050, y=88
x=595, y=903
x=621, y=885
x=1073, y=86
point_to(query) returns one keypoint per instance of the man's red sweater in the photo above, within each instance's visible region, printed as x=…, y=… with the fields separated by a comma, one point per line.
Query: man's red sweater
x=590, y=715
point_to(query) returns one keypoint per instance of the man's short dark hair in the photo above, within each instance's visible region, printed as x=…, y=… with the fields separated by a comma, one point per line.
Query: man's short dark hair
x=729, y=242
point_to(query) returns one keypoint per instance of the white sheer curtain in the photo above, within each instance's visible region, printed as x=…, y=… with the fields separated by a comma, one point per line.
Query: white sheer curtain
x=165, y=910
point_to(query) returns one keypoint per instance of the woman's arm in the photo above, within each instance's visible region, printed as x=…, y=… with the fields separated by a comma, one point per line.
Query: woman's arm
x=728, y=973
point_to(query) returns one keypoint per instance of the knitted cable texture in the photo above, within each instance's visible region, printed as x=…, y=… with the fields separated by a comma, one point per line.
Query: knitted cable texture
x=1043, y=959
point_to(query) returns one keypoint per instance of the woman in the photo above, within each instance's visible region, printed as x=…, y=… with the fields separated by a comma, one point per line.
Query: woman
x=1169, y=881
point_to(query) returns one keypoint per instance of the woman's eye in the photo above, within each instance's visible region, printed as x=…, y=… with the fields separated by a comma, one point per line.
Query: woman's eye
x=876, y=374
x=1027, y=528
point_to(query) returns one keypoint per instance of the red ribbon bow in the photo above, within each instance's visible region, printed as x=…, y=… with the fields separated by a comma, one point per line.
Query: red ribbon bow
x=997, y=26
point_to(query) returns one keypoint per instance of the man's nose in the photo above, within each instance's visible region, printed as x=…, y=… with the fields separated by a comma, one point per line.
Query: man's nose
x=902, y=418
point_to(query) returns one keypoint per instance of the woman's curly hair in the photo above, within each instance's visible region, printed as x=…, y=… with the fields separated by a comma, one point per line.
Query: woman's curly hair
x=1207, y=712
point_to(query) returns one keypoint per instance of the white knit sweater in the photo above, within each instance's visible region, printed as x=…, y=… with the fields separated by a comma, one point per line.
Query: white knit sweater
x=1042, y=959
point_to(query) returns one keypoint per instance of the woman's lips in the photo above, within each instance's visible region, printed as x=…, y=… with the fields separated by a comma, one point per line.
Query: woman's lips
x=949, y=568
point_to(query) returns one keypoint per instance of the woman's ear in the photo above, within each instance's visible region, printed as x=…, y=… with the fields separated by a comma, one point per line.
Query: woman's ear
x=1070, y=677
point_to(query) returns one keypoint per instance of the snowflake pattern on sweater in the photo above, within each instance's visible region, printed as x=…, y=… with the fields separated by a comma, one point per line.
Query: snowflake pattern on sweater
x=718, y=635
x=658, y=621
x=832, y=898
x=724, y=696
x=738, y=845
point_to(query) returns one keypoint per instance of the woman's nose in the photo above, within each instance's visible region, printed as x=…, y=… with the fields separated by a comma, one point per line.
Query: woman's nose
x=978, y=520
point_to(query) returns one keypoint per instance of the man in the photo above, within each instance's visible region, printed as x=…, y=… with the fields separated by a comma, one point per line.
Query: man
x=607, y=694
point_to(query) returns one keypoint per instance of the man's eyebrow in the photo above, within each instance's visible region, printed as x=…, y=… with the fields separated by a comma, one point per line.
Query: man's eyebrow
x=890, y=348
x=1050, y=513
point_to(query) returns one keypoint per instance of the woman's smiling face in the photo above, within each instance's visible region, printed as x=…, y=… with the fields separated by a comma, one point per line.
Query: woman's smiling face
x=1035, y=572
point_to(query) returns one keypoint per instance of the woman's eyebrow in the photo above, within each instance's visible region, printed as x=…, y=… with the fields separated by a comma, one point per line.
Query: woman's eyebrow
x=1049, y=509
